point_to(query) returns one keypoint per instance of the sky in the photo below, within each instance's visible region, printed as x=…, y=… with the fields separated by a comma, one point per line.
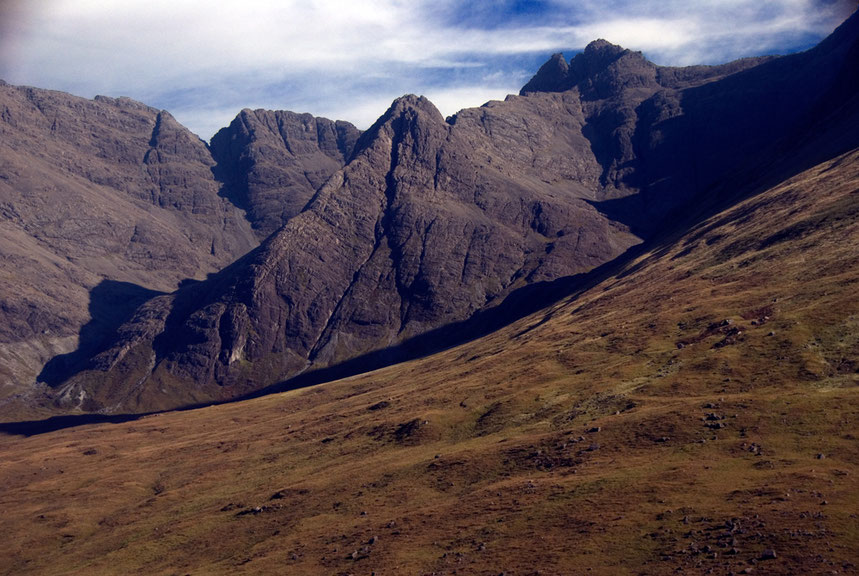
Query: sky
x=204, y=60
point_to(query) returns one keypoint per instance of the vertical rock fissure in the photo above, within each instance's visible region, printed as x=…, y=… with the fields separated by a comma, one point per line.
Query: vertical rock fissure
x=399, y=127
x=281, y=130
x=152, y=171
x=467, y=255
x=324, y=334
x=153, y=140
x=381, y=234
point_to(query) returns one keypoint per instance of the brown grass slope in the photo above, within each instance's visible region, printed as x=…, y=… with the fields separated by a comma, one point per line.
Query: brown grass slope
x=693, y=410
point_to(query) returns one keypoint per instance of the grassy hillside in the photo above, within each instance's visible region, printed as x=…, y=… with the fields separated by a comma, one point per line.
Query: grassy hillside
x=695, y=410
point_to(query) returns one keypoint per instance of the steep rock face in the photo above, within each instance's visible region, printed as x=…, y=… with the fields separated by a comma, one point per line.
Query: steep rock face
x=553, y=76
x=92, y=191
x=664, y=135
x=419, y=230
x=432, y=221
x=742, y=123
x=273, y=162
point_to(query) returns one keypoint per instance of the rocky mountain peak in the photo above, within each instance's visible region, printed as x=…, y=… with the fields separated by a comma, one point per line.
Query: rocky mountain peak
x=603, y=49
x=413, y=101
x=601, y=64
x=272, y=162
x=553, y=76
x=409, y=114
x=411, y=105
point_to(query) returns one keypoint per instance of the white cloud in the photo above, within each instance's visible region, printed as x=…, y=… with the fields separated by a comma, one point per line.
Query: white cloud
x=451, y=100
x=343, y=58
x=679, y=32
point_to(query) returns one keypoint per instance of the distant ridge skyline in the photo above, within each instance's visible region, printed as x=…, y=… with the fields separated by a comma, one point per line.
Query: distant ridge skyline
x=346, y=61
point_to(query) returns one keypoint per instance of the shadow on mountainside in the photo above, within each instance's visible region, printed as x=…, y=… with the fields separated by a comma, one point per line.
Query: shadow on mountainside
x=518, y=304
x=111, y=303
x=54, y=423
x=709, y=145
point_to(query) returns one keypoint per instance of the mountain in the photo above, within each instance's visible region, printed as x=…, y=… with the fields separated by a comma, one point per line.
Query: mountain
x=100, y=198
x=435, y=222
x=691, y=409
x=377, y=256
x=272, y=162
x=108, y=202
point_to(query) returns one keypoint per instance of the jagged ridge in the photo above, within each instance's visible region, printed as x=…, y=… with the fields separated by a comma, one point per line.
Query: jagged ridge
x=543, y=186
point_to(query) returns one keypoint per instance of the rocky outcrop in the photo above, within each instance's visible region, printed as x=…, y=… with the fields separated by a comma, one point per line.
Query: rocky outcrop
x=273, y=162
x=95, y=190
x=105, y=202
x=664, y=135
